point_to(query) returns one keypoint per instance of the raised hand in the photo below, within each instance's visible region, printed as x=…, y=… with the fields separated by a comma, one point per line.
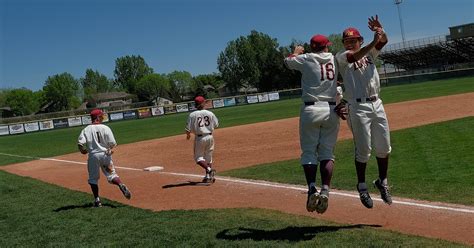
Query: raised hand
x=374, y=23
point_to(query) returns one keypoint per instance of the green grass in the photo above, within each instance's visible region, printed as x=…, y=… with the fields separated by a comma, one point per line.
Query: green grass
x=64, y=218
x=62, y=141
x=432, y=162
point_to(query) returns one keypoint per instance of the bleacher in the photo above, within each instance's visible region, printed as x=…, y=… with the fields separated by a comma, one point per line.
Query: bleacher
x=434, y=54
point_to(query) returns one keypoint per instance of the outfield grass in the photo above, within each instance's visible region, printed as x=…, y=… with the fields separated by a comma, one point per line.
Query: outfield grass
x=432, y=162
x=62, y=141
x=64, y=218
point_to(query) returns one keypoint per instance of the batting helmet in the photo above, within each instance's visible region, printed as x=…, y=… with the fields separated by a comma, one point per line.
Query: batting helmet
x=319, y=41
x=351, y=33
x=199, y=100
x=96, y=113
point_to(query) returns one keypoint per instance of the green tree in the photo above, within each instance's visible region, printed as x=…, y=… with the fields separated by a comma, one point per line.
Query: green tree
x=207, y=85
x=61, y=92
x=251, y=61
x=129, y=70
x=95, y=82
x=153, y=86
x=337, y=45
x=181, y=82
x=22, y=101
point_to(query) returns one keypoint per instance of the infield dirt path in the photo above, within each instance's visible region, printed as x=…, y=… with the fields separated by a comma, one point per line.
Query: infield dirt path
x=247, y=145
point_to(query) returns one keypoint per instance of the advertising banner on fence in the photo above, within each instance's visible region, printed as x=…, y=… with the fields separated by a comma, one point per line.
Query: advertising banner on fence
x=263, y=97
x=273, y=96
x=60, y=123
x=157, y=111
x=74, y=121
x=229, y=101
x=4, y=130
x=241, y=100
x=191, y=106
x=116, y=116
x=170, y=109
x=127, y=115
x=182, y=107
x=46, y=125
x=218, y=103
x=252, y=99
x=16, y=128
x=144, y=113
x=31, y=127
x=86, y=120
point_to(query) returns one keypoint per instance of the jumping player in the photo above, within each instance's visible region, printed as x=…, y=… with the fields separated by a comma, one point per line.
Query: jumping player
x=202, y=123
x=367, y=118
x=319, y=124
x=98, y=140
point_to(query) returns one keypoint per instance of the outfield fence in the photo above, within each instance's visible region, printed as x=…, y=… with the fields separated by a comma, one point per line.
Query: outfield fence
x=74, y=118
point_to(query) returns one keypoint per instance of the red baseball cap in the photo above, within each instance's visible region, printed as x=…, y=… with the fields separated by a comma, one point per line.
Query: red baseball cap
x=96, y=113
x=199, y=100
x=351, y=33
x=319, y=40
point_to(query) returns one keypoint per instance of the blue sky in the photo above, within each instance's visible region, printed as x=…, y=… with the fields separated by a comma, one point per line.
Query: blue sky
x=41, y=38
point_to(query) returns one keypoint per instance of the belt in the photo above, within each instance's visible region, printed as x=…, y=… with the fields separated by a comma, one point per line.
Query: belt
x=204, y=134
x=312, y=103
x=368, y=99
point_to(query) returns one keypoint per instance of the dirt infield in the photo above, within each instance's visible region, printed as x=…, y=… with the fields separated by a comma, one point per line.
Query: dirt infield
x=175, y=187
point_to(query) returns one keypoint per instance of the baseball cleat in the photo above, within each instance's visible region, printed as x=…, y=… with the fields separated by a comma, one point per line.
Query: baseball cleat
x=97, y=204
x=384, y=192
x=365, y=198
x=322, y=205
x=212, y=175
x=313, y=199
x=125, y=191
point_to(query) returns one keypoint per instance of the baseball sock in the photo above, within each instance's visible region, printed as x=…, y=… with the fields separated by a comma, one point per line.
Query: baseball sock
x=116, y=181
x=310, y=173
x=360, y=169
x=203, y=164
x=326, y=168
x=383, y=168
x=95, y=190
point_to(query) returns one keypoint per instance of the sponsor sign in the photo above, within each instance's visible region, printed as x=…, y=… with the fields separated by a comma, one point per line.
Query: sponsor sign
x=60, y=123
x=86, y=120
x=218, y=103
x=16, y=128
x=182, y=107
x=263, y=97
x=127, y=115
x=74, y=121
x=157, y=111
x=252, y=99
x=273, y=96
x=31, y=127
x=116, y=116
x=46, y=125
x=144, y=113
x=191, y=106
x=4, y=130
x=241, y=100
x=170, y=109
x=229, y=101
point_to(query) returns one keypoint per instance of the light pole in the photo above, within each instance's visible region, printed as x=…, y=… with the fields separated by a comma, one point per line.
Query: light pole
x=398, y=2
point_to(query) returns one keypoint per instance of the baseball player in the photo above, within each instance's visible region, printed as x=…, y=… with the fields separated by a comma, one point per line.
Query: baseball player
x=319, y=124
x=202, y=123
x=366, y=114
x=98, y=141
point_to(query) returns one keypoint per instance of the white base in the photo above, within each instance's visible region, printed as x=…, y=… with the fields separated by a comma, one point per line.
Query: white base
x=153, y=168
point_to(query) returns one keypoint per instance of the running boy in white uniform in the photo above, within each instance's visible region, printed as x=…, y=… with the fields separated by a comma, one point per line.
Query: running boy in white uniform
x=202, y=123
x=98, y=140
x=367, y=118
x=319, y=124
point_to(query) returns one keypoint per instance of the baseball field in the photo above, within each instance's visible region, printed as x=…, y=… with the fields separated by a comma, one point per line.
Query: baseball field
x=259, y=197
